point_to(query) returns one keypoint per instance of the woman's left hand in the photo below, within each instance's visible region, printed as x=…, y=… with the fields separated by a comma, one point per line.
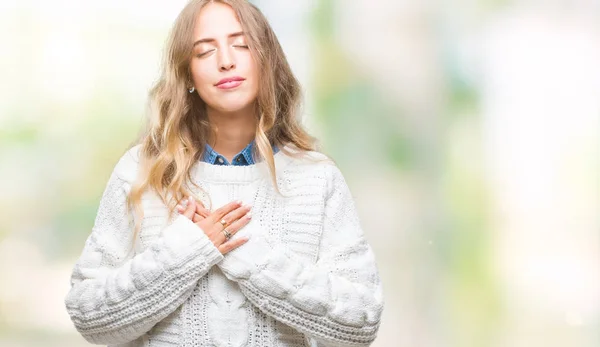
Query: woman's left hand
x=200, y=213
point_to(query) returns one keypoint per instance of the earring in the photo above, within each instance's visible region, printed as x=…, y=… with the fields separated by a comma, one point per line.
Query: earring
x=191, y=90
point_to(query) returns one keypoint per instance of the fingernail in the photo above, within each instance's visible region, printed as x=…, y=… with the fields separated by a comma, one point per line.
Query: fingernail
x=179, y=207
x=239, y=202
x=249, y=206
x=249, y=215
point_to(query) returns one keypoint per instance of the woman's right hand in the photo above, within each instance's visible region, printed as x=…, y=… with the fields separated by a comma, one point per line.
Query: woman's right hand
x=234, y=215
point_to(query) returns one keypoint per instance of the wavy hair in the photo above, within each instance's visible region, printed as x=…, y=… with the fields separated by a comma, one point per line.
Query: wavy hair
x=177, y=124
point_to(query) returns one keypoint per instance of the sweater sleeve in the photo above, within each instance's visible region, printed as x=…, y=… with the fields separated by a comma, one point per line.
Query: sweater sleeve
x=115, y=296
x=337, y=300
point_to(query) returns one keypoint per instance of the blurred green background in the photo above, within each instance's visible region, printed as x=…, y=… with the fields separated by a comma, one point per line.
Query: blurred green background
x=468, y=132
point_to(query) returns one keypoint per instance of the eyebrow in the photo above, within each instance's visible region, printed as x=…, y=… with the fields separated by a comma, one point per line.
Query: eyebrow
x=239, y=33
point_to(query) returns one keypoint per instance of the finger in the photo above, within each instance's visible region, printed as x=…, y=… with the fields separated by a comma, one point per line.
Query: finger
x=236, y=226
x=181, y=207
x=223, y=210
x=232, y=244
x=197, y=218
x=236, y=214
x=199, y=203
x=190, y=209
x=201, y=210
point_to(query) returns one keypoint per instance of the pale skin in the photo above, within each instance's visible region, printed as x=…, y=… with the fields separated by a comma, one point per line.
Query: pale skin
x=221, y=51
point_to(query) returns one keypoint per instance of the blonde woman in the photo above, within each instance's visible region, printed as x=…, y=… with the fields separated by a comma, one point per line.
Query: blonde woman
x=224, y=226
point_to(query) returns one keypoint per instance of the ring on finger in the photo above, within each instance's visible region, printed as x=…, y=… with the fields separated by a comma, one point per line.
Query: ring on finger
x=223, y=223
x=227, y=234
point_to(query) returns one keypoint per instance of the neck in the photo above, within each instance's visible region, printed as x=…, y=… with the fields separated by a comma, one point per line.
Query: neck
x=232, y=131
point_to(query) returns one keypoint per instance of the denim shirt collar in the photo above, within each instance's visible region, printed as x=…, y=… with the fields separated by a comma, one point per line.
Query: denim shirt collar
x=243, y=158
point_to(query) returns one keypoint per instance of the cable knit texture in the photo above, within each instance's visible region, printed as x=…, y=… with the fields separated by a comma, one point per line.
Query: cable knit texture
x=307, y=276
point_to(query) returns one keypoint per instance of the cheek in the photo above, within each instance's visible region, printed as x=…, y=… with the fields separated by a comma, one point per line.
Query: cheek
x=203, y=80
x=253, y=67
x=200, y=74
x=253, y=72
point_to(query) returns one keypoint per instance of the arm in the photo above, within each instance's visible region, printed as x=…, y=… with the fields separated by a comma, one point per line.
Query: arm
x=116, y=297
x=338, y=300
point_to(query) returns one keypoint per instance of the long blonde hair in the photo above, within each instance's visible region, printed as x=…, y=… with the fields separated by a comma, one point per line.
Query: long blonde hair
x=178, y=127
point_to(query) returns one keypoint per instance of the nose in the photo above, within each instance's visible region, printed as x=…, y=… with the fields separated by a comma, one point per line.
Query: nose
x=226, y=62
x=226, y=67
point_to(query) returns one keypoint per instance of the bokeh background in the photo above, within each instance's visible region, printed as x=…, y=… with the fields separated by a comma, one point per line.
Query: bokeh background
x=467, y=130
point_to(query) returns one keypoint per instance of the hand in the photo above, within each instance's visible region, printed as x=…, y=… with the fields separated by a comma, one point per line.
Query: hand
x=234, y=214
x=200, y=213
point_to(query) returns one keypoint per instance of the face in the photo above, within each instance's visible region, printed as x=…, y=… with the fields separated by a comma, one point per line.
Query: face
x=222, y=69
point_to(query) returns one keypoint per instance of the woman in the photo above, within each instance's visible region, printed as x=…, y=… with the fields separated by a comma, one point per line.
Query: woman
x=179, y=257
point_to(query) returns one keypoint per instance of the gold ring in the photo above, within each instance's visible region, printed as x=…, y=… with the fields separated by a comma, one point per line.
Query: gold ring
x=223, y=222
x=227, y=234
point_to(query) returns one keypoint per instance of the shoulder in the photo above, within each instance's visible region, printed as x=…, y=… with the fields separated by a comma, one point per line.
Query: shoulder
x=314, y=165
x=297, y=160
x=127, y=167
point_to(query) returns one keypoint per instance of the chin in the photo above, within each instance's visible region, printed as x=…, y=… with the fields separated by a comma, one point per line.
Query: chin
x=228, y=106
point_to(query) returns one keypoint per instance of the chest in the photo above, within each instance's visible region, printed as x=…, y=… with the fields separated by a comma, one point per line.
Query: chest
x=291, y=218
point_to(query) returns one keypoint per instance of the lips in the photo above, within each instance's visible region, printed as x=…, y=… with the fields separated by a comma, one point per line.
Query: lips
x=228, y=80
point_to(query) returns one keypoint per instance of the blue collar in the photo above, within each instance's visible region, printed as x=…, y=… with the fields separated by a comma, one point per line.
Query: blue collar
x=243, y=158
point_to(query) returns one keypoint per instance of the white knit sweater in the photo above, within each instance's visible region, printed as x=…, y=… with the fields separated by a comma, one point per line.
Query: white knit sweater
x=306, y=277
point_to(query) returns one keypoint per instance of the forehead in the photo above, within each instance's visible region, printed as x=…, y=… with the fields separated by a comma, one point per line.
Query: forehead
x=216, y=19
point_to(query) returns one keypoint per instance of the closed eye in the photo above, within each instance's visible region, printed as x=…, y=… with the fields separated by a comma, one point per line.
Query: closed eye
x=205, y=53
x=212, y=50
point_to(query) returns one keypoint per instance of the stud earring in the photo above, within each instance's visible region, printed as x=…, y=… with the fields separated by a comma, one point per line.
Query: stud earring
x=191, y=90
